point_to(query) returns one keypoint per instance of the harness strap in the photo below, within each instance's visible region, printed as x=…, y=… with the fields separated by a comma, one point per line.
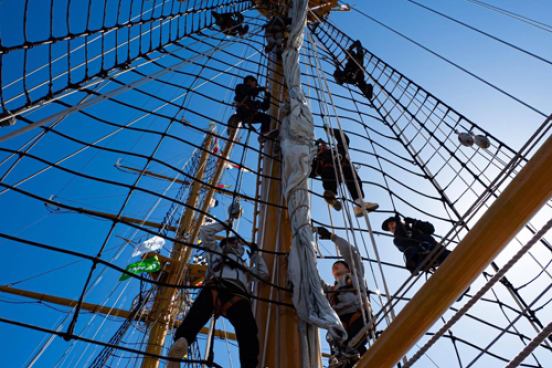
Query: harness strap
x=354, y=317
x=220, y=309
x=230, y=303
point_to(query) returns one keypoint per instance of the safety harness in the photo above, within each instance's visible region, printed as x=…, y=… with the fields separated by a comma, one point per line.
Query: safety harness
x=334, y=299
x=215, y=283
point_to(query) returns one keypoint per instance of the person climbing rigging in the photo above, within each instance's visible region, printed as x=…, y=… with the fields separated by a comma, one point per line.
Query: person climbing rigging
x=275, y=30
x=247, y=107
x=414, y=239
x=348, y=297
x=230, y=23
x=224, y=293
x=323, y=166
x=353, y=73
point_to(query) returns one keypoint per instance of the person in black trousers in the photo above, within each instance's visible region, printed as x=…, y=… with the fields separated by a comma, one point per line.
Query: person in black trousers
x=250, y=110
x=224, y=294
x=353, y=73
x=230, y=23
x=324, y=165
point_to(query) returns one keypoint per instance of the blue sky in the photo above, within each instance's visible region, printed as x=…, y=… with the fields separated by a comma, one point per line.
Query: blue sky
x=27, y=218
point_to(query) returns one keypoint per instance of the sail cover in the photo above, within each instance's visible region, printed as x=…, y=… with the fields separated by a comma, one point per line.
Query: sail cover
x=297, y=136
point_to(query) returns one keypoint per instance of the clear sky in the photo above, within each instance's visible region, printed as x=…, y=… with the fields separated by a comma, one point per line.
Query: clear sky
x=518, y=74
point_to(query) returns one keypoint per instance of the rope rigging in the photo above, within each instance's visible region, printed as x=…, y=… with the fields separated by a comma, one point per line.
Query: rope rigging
x=400, y=114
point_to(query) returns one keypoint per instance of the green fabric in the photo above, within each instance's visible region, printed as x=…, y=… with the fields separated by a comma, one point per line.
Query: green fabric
x=147, y=265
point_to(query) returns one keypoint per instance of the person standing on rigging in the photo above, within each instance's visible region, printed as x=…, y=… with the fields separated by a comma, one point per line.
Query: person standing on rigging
x=275, y=30
x=230, y=23
x=414, y=239
x=348, y=297
x=353, y=73
x=323, y=166
x=247, y=107
x=224, y=293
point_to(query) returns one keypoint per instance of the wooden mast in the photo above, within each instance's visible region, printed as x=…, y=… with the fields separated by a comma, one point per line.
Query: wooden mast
x=279, y=335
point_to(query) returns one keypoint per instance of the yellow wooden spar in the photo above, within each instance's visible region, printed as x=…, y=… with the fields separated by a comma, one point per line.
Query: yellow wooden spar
x=181, y=254
x=525, y=195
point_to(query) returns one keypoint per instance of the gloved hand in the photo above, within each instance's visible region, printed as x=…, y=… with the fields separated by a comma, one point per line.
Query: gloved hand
x=323, y=233
x=253, y=249
x=409, y=220
x=235, y=211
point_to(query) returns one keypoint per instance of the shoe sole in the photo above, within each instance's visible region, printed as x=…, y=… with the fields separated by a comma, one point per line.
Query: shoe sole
x=177, y=351
x=368, y=209
x=332, y=201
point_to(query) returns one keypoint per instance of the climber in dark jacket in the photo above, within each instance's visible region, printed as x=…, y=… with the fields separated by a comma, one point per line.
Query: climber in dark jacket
x=230, y=23
x=353, y=73
x=414, y=239
x=250, y=110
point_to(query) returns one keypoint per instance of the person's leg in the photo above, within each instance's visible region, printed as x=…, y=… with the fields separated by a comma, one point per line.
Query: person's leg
x=197, y=317
x=367, y=89
x=241, y=317
x=412, y=259
x=270, y=41
x=266, y=132
x=264, y=119
x=339, y=76
x=352, y=180
x=444, y=254
x=351, y=175
x=329, y=183
x=243, y=29
x=353, y=330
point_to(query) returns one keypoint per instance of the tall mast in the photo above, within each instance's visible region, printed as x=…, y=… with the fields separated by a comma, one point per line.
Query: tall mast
x=278, y=325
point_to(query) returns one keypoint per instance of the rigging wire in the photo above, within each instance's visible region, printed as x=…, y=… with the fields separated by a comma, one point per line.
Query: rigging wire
x=493, y=86
x=518, y=17
x=517, y=48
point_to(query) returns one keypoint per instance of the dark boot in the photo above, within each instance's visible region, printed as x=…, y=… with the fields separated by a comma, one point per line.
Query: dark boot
x=243, y=30
x=368, y=91
x=339, y=77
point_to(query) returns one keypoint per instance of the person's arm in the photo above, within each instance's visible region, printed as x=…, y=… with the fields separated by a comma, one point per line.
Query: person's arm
x=423, y=226
x=207, y=234
x=314, y=167
x=325, y=286
x=266, y=101
x=337, y=135
x=351, y=255
x=259, y=269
